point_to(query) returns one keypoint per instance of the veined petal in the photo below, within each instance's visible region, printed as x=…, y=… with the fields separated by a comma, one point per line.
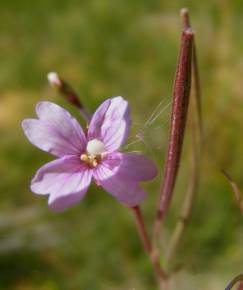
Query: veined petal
x=62, y=120
x=122, y=188
x=111, y=123
x=56, y=131
x=134, y=166
x=65, y=179
x=46, y=138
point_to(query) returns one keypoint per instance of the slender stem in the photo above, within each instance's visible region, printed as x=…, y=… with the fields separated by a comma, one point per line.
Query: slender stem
x=142, y=229
x=181, y=93
x=197, y=90
x=237, y=193
x=154, y=257
x=237, y=279
x=68, y=92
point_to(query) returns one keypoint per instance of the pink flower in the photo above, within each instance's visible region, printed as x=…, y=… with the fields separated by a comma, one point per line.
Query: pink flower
x=83, y=156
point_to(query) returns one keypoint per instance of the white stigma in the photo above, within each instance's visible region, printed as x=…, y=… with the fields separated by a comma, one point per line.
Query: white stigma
x=54, y=79
x=95, y=147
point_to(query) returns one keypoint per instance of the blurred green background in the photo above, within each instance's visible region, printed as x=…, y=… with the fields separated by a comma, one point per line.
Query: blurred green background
x=129, y=48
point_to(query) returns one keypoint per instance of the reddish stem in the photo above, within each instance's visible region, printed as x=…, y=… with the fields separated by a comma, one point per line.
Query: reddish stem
x=154, y=258
x=181, y=93
x=142, y=229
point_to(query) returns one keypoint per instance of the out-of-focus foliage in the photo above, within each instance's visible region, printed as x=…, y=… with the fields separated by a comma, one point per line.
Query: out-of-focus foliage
x=106, y=48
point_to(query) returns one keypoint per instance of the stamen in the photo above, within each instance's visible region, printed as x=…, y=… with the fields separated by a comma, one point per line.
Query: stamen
x=94, y=163
x=94, y=153
x=84, y=157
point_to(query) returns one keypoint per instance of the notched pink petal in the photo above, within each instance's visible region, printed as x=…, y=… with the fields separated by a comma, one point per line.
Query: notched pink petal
x=111, y=123
x=122, y=188
x=64, y=202
x=65, y=179
x=63, y=121
x=44, y=137
x=56, y=131
x=134, y=166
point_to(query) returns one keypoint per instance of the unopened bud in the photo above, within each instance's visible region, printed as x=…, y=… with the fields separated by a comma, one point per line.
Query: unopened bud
x=54, y=79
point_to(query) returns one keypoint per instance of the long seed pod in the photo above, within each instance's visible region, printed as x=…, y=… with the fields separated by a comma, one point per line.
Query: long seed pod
x=195, y=73
x=195, y=127
x=181, y=93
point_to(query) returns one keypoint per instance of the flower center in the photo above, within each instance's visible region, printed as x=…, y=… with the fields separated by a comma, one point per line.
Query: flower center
x=94, y=150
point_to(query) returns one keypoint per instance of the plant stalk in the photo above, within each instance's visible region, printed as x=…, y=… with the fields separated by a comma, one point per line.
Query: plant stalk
x=154, y=257
x=237, y=193
x=232, y=283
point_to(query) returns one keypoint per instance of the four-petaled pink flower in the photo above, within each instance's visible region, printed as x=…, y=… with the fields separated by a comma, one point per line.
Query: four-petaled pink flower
x=83, y=155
